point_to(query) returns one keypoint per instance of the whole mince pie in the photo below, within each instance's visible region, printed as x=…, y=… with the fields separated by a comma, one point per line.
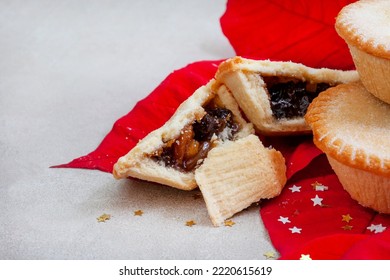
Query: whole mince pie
x=274, y=96
x=351, y=126
x=364, y=26
x=192, y=150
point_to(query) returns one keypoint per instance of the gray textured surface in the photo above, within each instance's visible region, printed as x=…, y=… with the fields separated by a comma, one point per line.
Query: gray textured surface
x=68, y=70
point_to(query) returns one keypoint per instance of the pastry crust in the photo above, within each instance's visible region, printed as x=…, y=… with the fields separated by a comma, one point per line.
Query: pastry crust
x=351, y=125
x=369, y=189
x=246, y=79
x=365, y=24
x=138, y=163
x=236, y=174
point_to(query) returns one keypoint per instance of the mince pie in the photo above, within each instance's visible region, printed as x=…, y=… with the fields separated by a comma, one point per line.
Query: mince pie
x=274, y=96
x=352, y=127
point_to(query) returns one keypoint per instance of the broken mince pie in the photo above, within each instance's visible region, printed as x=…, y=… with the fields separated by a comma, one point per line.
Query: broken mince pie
x=208, y=129
x=274, y=96
x=170, y=154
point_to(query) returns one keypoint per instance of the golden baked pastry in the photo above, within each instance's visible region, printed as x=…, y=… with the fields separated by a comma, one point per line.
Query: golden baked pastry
x=365, y=26
x=353, y=128
x=274, y=95
x=238, y=173
x=169, y=155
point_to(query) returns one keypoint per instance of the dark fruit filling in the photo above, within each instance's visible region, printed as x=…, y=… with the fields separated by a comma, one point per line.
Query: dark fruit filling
x=291, y=99
x=194, y=142
x=214, y=122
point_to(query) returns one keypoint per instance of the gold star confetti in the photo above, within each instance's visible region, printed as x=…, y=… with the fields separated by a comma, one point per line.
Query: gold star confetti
x=190, y=223
x=305, y=257
x=229, y=223
x=103, y=218
x=347, y=227
x=346, y=218
x=138, y=213
x=269, y=255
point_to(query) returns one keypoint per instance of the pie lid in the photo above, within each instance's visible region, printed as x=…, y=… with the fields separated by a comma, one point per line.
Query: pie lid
x=366, y=24
x=352, y=126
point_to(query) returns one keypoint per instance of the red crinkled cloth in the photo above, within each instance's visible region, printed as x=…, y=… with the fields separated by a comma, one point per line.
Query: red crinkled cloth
x=314, y=217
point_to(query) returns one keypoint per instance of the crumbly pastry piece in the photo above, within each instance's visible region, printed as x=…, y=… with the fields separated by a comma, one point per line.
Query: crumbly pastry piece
x=365, y=26
x=274, y=95
x=238, y=173
x=170, y=154
x=352, y=127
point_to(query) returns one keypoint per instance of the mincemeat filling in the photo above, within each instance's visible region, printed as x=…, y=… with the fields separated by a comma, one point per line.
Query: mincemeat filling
x=191, y=147
x=291, y=99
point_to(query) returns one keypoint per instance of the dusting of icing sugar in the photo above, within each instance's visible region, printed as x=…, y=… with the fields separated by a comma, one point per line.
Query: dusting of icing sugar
x=370, y=20
x=323, y=136
x=353, y=154
x=341, y=149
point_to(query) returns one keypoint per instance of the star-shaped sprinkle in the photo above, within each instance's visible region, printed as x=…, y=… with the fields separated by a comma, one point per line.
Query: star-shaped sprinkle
x=317, y=200
x=103, y=218
x=376, y=228
x=346, y=218
x=295, y=230
x=138, y=213
x=269, y=255
x=190, y=223
x=319, y=187
x=295, y=188
x=347, y=227
x=305, y=257
x=229, y=223
x=284, y=220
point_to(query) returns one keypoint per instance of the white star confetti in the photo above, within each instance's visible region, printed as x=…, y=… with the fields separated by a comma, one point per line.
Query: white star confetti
x=295, y=230
x=305, y=257
x=295, y=188
x=284, y=220
x=317, y=200
x=376, y=228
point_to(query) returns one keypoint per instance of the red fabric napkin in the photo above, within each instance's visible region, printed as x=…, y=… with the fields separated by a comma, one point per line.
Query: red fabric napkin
x=314, y=216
